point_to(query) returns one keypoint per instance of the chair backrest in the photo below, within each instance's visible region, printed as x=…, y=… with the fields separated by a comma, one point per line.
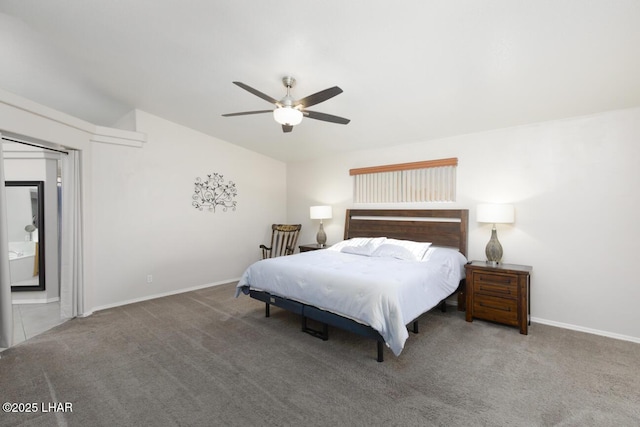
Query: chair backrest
x=283, y=240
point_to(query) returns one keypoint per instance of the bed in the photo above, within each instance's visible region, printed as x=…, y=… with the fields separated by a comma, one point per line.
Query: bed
x=393, y=266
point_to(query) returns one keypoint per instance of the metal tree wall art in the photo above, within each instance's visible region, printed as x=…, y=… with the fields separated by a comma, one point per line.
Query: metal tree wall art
x=213, y=192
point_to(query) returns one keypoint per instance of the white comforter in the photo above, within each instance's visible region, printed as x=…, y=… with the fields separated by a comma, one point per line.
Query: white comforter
x=384, y=293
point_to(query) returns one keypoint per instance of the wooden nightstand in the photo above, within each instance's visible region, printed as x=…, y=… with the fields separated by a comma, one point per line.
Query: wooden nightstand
x=312, y=247
x=499, y=294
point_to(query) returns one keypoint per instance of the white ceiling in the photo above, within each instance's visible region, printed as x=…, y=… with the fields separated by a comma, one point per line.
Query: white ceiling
x=411, y=70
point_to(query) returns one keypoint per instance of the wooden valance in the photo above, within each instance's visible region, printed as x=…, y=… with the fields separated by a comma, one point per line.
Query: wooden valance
x=453, y=161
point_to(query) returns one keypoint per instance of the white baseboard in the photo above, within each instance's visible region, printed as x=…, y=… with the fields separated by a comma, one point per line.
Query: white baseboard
x=587, y=330
x=154, y=296
x=454, y=302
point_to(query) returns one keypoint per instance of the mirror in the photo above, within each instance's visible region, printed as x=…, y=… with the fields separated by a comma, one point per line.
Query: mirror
x=25, y=221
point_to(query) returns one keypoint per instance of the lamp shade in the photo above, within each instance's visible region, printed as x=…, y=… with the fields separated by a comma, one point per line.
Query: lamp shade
x=495, y=213
x=287, y=116
x=320, y=212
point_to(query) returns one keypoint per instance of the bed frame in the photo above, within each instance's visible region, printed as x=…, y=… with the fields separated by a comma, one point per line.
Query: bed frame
x=442, y=227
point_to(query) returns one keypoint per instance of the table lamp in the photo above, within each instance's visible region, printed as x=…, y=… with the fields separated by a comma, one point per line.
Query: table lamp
x=495, y=214
x=320, y=212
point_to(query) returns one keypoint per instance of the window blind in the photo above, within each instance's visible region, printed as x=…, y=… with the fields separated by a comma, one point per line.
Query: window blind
x=426, y=181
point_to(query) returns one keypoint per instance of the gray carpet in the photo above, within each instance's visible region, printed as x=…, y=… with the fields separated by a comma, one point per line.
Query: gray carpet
x=206, y=358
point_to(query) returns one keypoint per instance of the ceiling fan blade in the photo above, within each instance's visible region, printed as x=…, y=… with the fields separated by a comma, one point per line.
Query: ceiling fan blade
x=256, y=92
x=287, y=128
x=319, y=97
x=325, y=117
x=245, y=113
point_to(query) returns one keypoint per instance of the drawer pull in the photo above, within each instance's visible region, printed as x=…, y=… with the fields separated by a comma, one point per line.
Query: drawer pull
x=494, y=290
x=493, y=307
x=497, y=279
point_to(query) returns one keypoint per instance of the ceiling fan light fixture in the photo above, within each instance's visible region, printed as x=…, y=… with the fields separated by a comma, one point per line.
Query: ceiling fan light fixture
x=289, y=111
x=287, y=116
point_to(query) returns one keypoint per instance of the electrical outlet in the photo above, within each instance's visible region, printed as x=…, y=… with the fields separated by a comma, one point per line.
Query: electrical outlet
x=149, y=278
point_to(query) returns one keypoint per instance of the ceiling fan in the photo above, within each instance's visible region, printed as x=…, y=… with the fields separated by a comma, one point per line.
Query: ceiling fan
x=289, y=112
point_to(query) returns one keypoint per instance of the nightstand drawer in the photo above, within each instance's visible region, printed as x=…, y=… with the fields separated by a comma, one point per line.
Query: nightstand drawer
x=503, y=310
x=500, y=285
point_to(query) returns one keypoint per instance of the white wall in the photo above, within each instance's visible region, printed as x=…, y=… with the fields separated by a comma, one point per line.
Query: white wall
x=19, y=213
x=144, y=222
x=573, y=185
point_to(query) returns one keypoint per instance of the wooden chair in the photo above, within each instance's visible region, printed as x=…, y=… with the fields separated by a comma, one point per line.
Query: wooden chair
x=283, y=240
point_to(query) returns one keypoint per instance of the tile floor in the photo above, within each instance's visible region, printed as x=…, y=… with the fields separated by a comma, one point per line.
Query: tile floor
x=30, y=320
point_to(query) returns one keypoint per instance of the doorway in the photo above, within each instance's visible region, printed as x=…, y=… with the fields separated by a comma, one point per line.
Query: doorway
x=36, y=310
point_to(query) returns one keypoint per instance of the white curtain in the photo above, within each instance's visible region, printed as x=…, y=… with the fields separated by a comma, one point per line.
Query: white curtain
x=6, y=309
x=71, y=282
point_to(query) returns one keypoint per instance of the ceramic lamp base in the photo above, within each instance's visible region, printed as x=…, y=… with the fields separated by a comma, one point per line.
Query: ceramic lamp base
x=493, y=251
x=321, y=237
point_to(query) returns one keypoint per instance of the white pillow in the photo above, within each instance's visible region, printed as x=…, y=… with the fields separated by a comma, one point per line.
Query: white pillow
x=359, y=245
x=449, y=257
x=365, y=250
x=418, y=249
x=394, y=251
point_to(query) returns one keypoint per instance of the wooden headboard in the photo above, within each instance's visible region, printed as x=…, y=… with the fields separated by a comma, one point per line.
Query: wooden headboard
x=442, y=227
